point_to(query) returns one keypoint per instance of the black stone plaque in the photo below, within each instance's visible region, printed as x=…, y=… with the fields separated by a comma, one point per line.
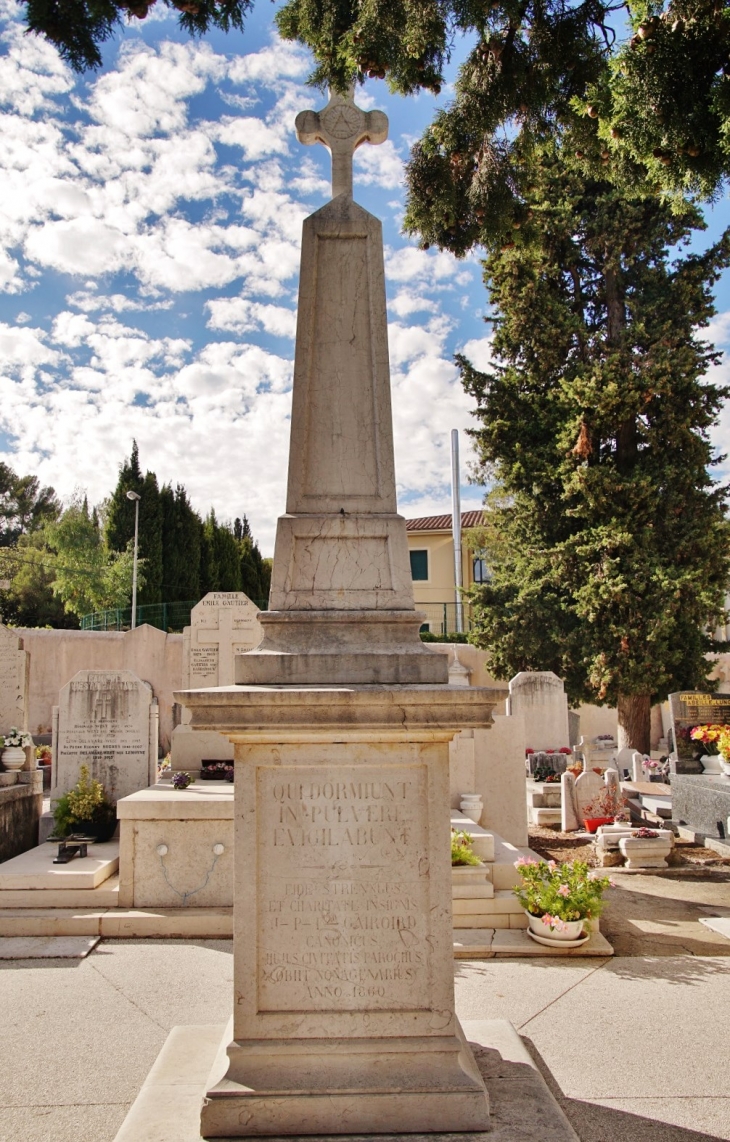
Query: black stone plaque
x=691, y=708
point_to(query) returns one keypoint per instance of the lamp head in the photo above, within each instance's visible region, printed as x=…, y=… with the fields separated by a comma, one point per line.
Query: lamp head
x=133, y=495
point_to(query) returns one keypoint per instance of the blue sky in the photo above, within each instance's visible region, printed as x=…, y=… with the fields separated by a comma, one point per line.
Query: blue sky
x=150, y=219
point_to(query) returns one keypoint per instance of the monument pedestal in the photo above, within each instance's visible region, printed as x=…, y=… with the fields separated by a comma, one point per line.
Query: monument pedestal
x=343, y=958
x=346, y=1086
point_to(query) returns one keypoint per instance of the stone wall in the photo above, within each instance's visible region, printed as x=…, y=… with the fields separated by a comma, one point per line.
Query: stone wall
x=57, y=655
x=20, y=811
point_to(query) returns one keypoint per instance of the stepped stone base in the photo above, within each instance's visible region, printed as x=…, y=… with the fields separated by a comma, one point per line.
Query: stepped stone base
x=167, y=1108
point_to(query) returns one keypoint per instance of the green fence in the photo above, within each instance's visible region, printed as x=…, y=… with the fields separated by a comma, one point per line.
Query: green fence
x=441, y=617
x=165, y=616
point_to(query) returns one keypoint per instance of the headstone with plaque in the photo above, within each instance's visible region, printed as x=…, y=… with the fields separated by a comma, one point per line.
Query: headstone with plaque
x=222, y=625
x=690, y=708
x=108, y=721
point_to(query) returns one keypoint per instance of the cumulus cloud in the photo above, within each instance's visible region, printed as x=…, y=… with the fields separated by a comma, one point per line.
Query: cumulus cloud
x=150, y=218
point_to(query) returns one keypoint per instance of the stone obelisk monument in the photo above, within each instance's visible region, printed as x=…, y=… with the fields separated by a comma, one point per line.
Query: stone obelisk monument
x=341, y=720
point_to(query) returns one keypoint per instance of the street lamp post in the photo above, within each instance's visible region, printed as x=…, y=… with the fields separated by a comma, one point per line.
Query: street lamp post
x=133, y=496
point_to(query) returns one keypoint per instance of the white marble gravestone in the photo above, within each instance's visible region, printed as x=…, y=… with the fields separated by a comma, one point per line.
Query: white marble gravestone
x=344, y=1018
x=14, y=681
x=107, y=720
x=222, y=625
x=589, y=786
x=539, y=696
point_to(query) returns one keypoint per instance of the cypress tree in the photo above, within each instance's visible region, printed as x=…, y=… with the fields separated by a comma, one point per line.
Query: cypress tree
x=220, y=559
x=181, y=546
x=120, y=523
x=606, y=536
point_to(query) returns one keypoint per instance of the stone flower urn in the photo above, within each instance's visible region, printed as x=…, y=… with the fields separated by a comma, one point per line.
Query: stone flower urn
x=13, y=758
x=471, y=806
x=645, y=852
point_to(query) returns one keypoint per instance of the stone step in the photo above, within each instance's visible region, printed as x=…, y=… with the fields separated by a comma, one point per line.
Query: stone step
x=472, y=907
x=544, y=816
x=486, y=943
x=482, y=840
x=119, y=923
x=472, y=891
x=468, y=874
x=502, y=911
x=34, y=870
x=105, y=896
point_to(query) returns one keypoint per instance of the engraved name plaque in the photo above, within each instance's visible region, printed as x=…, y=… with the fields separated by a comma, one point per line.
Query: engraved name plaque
x=343, y=893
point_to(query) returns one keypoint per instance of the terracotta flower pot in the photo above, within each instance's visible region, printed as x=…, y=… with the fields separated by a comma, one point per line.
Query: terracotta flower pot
x=592, y=823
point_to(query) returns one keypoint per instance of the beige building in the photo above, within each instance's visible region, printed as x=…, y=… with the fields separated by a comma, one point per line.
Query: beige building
x=431, y=549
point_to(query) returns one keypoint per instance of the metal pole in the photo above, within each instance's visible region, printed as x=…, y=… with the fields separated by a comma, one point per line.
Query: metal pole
x=134, y=496
x=134, y=571
x=456, y=527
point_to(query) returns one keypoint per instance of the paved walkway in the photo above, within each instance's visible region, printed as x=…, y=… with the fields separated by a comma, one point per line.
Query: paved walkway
x=634, y=1047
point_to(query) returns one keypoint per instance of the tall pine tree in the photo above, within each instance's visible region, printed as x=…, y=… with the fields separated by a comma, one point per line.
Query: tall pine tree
x=120, y=523
x=606, y=537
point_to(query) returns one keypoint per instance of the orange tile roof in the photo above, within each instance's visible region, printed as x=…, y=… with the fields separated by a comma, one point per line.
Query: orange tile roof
x=443, y=522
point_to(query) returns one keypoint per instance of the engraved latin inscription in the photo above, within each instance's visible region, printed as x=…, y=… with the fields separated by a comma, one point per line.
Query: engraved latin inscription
x=342, y=888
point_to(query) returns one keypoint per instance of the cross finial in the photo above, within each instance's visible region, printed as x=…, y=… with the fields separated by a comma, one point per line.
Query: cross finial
x=342, y=126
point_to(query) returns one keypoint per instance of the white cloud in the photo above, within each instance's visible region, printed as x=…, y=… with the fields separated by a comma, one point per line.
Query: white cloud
x=379, y=166
x=409, y=264
x=125, y=182
x=239, y=315
x=479, y=352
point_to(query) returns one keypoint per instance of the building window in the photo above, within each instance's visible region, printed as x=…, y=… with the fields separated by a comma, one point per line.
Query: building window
x=419, y=564
x=480, y=570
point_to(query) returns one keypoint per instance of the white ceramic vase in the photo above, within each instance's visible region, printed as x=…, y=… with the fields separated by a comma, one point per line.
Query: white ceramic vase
x=13, y=757
x=712, y=763
x=725, y=766
x=571, y=929
x=471, y=806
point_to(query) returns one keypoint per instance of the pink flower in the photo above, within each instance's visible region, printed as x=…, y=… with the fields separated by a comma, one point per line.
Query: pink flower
x=522, y=861
x=547, y=920
x=563, y=890
x=552, y=864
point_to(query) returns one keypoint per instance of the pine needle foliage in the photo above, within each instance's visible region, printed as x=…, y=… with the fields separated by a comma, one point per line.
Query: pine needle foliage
x=606, y=536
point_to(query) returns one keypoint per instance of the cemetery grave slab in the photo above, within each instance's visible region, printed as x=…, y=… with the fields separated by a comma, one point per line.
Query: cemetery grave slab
x=34, y=870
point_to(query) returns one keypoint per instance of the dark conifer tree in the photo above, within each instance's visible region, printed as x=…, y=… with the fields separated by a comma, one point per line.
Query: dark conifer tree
x=606, y=535
x=120, y=523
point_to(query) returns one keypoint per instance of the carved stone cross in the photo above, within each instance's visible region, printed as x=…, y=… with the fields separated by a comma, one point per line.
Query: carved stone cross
x=343, y=127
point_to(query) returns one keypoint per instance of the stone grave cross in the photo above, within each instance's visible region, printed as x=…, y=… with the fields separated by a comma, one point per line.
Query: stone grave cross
x=343, y=127
x=226, y=631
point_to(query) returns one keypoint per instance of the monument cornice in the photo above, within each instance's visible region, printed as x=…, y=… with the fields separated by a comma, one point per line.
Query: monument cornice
x=437, y=712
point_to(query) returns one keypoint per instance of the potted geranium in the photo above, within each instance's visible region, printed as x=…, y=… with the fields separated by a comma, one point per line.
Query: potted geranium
x=559, y=899
x=14, y=745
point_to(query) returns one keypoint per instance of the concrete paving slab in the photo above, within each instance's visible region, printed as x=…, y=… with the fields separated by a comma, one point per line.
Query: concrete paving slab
x=61, y=1123
x=514, y=989
x=650, y=1119
x=719, y=924
x=602, y=1019
x=46, y=947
